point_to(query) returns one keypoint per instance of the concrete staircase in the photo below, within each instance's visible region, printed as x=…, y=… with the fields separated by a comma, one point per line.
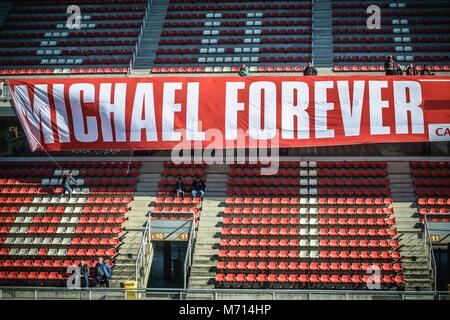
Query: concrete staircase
x=149, y=179
x=417, y=268
x=125, y=262
x=322, y=34
x=151, y=36
x=207, y=244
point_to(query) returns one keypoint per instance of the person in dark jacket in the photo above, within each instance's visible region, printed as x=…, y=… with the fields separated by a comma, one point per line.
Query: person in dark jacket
x=67, y=178
x=84, y=272
x=244, y=71
x=179, y=188
x=310, y=70
x=399, y=70
x=103, y=273
x=411, y=70
x=198, y=188
x=390, y=66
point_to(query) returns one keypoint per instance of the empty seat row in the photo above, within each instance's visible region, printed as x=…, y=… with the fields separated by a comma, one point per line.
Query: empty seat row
x=313, y=221
x=353, y=191
x=59, y=252
x=49, y=212
x=352, y=173
x=175, y=210
x=31, y=276
x=343, y=232
x=282, y=172
x=310, y=201
x=435, y=191
x=246, y=7
x=172, y=200
x=305, y=211
x=59, y=241
x=305, y=266
x=434, y=211
x=283, y=242
x=294, y=254
x=432, y=172
x=17, y=263
x=60, y=230
x=58, y=220
x=305, y=278
x=430, y=165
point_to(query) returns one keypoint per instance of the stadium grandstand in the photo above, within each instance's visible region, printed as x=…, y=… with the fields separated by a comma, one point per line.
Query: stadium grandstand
x=108, y=110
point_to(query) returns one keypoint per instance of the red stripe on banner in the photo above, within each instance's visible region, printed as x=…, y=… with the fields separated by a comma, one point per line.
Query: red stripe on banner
x=233, y=112
x=437, y=105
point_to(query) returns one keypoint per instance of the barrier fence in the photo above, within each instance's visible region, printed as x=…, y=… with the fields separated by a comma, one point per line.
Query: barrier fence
x=33, y=293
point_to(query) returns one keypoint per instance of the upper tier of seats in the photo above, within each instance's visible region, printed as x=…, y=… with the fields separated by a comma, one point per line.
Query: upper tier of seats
x=36, y=39
x=218, y=36
x=42, y=234
x=211, y=36
x=413, y=31
x=199, y=36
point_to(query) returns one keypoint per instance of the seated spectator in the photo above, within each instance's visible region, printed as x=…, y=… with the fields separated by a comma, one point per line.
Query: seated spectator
x=310, y=70
x=198, y=188
x=426, y=71
x=244, y=71
x=179, y=187
x=398, y=70
x=411, y=70
x=390, y=66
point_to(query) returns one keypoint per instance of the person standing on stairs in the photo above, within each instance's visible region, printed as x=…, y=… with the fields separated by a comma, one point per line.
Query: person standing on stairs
x=66, y=184
x=102, y=273
x=84, y=272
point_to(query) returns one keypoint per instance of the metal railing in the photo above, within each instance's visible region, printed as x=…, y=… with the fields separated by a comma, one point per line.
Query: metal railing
x=189, y=251
x=144, y=250
x=138, y=42
x=429, y=248
x=34, y=293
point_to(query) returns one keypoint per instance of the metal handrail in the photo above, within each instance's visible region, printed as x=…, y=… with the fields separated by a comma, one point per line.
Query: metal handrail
x=140, y=259
x=430, y=251
x=59, y=293
x=189, y=251
x=141, y=32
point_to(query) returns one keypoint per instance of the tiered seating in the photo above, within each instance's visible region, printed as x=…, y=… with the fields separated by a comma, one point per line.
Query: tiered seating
x=413, y=31
x=432, y=186
x=41, y=234
x=169, y=207
x=211, y=36
x=274, y=238
x=36, y=40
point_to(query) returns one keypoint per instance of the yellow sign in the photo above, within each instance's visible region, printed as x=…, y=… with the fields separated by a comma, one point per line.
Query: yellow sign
x=435, y=238
x=184, y=236
x=158, y=236
x=130, y=294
